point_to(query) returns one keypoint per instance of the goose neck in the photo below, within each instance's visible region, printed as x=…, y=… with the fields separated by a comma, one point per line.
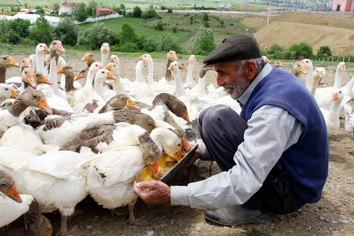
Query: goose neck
x=17, y=107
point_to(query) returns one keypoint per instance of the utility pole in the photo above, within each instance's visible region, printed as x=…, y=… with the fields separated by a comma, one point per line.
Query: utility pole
x=246, y=9
x=269, y=12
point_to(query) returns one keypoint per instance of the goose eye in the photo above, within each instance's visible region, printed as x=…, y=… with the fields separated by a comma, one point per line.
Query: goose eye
x=179, y=145
x=150, y=124
x=6, y=89
x=102, y=72
x=35, y=96
x=3, y=184
x=4, y=58
x=26, y=72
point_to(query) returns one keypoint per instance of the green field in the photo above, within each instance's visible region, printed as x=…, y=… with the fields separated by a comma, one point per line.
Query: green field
x=130, y=3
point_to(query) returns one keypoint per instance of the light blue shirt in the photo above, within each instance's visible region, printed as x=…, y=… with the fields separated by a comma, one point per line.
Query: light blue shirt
x=271, y=130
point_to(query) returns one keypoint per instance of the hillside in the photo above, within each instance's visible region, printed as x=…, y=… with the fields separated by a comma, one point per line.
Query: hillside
x=333, y=30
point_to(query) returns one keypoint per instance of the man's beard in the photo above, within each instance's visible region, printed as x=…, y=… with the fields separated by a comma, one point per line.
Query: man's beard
x=238, y=87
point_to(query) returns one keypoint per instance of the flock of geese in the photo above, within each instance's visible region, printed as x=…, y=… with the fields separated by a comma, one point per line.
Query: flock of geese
x=66, y=136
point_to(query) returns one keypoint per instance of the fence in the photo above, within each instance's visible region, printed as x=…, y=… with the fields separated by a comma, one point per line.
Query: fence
x=106, y=17
x=347, y=59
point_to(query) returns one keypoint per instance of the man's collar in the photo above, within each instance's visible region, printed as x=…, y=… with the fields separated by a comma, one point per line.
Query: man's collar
x=263, y=73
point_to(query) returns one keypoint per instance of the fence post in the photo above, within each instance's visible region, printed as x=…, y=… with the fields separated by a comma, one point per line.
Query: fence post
x=332, y=59
x=327, y=58
x=323, y=59
x=343, y=59
x=349, y=59
x=337, y=58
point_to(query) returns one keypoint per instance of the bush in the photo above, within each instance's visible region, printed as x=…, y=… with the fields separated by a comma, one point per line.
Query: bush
x=174, y=29
x=27, y=42
x=169, y=10
x=66, y=32
x=169, y=43
x=163, y=7
x=137, y=12
x=129, y=47
x=159, y=26
x=207, y=45
x=276, y=51
x=151, y=44
x=206, y=24
x=191, y=20
x=324, y=51
x=205, y=17
x=222, y=24
x=151, y=13
x=300, y=51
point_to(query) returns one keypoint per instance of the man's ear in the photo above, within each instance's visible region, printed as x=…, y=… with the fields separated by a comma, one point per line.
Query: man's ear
x=249, y=70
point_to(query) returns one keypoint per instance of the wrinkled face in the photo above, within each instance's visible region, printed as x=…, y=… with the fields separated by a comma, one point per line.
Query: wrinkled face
x=233, y=80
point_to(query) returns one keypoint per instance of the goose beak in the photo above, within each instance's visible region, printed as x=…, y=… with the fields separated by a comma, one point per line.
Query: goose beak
x=140, y=58
x=110, y=76
x=78, y=77
x=154, y=167
x=186, y=117
x=267, y=60
x=61, y=70
x=101, y=67
x=46, y=49
x=174, y=56
x=185, y=145
x=43, y=105
x=341, y=66
x=85, y=58
x=13, y=94
x=60, y=47
x=106, y=47
x=111, y=60
x=28, y=63
x=171, y=67
x=32, y=80
x=45, y=80
x=319, y=74
x=13, y=193
x=280, y=64
x=108, y=67
x=13, y=63
x=334, y=96
x=184, y=68
x=303, y=70
x=178, y=155
x=132, y=105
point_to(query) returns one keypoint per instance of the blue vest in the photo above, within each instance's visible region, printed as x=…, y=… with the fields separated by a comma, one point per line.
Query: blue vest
x=307, y=160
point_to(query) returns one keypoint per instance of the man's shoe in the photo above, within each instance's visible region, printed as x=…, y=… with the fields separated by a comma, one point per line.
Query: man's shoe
x=236, y=215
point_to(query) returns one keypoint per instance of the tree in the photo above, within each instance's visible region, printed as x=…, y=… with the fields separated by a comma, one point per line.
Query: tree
x=92, y=4
x=137, y=12
x=299, y=51
x=222, y=24
x=206, y=24
x=169, y=10
x=90, y=11
x=81, y=5
x=174, y=28
x=127, y=34
x=168, y=43
x=18, y=8
x=276, y=50
x=151, y=44
x=207, y=45
x=4, y=26
x=82, y=15
x=163, y=7
x=191, y=20
x=197, y=41
x=66, y=32
x=94, y=37
x=41, y=31
x=26, y=5
x=205, y=17
x=20, y=27
x=159, y=25
x=12, y=8
x=56, y=7
x=151, y=13
x=324, y=51
x=122, y=6
x=41, y=10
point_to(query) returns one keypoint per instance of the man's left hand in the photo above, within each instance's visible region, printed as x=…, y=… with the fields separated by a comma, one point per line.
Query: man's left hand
x=153, y=192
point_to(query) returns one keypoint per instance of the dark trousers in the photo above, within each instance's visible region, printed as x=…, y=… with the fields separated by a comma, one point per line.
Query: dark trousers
x=222, y=130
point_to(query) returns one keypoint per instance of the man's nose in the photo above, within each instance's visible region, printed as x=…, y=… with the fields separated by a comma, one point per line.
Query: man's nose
x=220, y=81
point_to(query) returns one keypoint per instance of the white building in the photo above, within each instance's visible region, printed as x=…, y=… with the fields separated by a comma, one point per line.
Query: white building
x=67, y=7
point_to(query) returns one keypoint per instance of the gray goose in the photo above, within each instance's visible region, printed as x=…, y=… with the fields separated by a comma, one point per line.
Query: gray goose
x=36, y=223
x=10, y=116
x=56, y=130
x=6, y=62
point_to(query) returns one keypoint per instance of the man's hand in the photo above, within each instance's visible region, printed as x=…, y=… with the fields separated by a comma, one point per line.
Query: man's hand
x=153, y=192
x=196, y=155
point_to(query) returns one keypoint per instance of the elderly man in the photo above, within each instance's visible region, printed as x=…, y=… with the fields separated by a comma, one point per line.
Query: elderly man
x=274, y=155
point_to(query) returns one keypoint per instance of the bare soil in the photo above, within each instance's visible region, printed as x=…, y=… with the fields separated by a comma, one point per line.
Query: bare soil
x=332, y=215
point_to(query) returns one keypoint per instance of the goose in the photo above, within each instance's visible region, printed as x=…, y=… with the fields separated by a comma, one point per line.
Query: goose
x=28, y=76
x=59, y=130
x=278, y=64
x=41, y=49
x=116, y=72
x=6, y=62
x=111, y=175
x=265, y=59
x=100, y=93
x=7, y=92
x=179, y=90
x=322, y=94
x=319, y=73
x=298, y=69
x=69, y=84
x=331, y=116
x=167, y=79
x=26, y=62
x=36, y=223
x=89, y=58
x=349, y=111
x=10, y=117
x=104, y=54
x=53, y=179
x=79, y=96
x=117, y=102
x=117, y=84
x=190, y=82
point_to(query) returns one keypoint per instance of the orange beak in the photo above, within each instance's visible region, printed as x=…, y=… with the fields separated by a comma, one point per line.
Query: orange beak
x=140, y=58
x=303, y=70
x=28, y=63
x=154, y=167
x=13, y=94
x=60, y=48
x=45, y=80
x=184, y=68
x=43, y=105
x=132, y=105
x=171, y=67
x=280, y=64
x=186, y=117
x=174, y=56
x=319, y=73
x=13, y=63
x=78, y=76
x=13, y=193
x=341, y=66
x=110, y=76
x=61, y=70
x=334, y=96
x=46, y=49
x=106, y=47
x=192, y=58
x=85, y=58
x=178, y=155
x=109, y=67
x=101, y=67
x=32, y=80
x=111, y=60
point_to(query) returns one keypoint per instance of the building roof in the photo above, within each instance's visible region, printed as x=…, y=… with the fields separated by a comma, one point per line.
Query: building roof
x=68, y=4
x=103, y=9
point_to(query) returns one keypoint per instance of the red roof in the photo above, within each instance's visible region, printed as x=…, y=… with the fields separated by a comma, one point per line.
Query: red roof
x=103, y=9
x=68, y=4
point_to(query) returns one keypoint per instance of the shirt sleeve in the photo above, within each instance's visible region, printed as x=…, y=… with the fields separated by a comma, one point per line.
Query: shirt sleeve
x=271, y=130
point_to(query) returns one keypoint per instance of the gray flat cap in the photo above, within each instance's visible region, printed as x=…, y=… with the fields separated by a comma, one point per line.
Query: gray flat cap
x=237, y=47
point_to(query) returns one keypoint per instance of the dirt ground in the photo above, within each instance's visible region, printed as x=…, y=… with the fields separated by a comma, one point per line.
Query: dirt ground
x=316, y=29
x=332, y=215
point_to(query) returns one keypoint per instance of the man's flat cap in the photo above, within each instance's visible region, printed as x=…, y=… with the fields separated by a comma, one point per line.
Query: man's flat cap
x=237, y=47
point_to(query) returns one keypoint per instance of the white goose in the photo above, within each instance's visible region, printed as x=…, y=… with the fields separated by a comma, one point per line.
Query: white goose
x=331, y=116
x=38, y=63
x=53, y=179
x=110, y=175
x=7, y=92
x=117, y=84
x=190, y=82
x=105, y=54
